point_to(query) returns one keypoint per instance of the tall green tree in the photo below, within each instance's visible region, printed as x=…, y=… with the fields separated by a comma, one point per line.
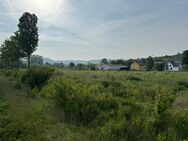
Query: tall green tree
x=28, y=34
x=149, y=63
x=5, y=57
x=185, y=60
x=104, y=62
x=160, y=67
x=71, y=65
x=11, y=51
x=16, y=49
x=91, y=66
x=118, y=61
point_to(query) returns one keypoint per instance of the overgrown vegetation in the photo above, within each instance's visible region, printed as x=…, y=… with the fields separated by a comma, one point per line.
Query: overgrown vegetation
x=120, y=108
x=27, y=120
x=109, y=106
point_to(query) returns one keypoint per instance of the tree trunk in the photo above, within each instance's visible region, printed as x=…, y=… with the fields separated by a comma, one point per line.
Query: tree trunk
x=29, y=61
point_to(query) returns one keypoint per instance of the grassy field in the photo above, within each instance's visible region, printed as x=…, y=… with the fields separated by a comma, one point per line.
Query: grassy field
x=95, y=106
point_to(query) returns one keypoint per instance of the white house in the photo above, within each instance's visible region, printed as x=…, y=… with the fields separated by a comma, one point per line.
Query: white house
x=113, y=67
x=173, y=66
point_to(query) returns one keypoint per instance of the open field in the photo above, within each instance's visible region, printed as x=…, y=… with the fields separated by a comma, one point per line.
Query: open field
x=95, y=105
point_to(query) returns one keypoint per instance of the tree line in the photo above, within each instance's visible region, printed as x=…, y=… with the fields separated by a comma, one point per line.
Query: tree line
x=22, y=43
x=150, y=62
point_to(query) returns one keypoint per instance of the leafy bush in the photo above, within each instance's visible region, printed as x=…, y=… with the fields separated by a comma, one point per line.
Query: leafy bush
x=133, y=78
x=183, y=83
x=19, y=131
x=37, y=77
x=164, y=100
x=112, y=106
x=114, y=87
x=8, y=72
x=182, y=124
x=111, y=116
x=78, y=105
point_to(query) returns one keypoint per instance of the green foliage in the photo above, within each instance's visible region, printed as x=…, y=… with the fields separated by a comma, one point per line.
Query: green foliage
x=149, y=63
x=11, y=52
x=20, y=131
x=164, y=100
x=104, y=62
x=167, y=58
x=81, y=67
x=159, y=67
x=77, y=104
x=185, y=58
x=37, y=77
x=185, y=67
x=71, y=65
x=28, y=34
x=29, y=127
x=91, y=66
x=59, y=65
x=183, y=83
x=122, y=62
x=134, y=78
x=8, y=72
x=118, y=61
x=108, y=106
x=118, y=106
x=182, y=123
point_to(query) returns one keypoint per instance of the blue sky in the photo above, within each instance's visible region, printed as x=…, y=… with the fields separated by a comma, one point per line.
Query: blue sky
x=94, y=29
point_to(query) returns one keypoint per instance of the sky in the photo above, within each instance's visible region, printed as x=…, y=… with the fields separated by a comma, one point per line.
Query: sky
x=96, y=29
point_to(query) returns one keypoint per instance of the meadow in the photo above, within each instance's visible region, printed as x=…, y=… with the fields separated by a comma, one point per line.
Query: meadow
x=73, y=105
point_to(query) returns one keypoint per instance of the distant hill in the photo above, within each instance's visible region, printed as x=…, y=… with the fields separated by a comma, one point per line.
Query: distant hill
x=66, y=62
x=166, y=58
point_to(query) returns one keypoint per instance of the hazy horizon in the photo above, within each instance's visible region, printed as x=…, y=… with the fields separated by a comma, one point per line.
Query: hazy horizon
x=95, y=29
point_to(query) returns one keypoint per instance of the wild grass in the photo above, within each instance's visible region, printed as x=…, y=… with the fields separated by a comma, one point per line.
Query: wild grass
x=99, y=105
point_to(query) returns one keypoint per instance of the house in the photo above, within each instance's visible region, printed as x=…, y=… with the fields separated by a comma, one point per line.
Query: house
x=113, y=67
x=173, y=66
x=138, y=66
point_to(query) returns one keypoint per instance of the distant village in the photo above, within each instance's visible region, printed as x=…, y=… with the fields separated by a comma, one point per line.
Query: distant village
x=164, y=63
x=140, y=66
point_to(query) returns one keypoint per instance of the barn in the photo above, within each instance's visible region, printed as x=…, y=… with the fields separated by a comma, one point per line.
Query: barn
x=114, y=67
x=137, y=66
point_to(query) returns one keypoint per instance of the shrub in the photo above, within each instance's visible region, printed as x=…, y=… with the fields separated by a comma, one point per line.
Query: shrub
x=185, y=67
x=182, y=124
x=134, y=78
x=19, y=131
x=183, y=83
x=164, y=100
x=8, y=72
x=114, y=87
x=114, y=130
x=37, y=77
x=17, y=85
x=78, y=105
